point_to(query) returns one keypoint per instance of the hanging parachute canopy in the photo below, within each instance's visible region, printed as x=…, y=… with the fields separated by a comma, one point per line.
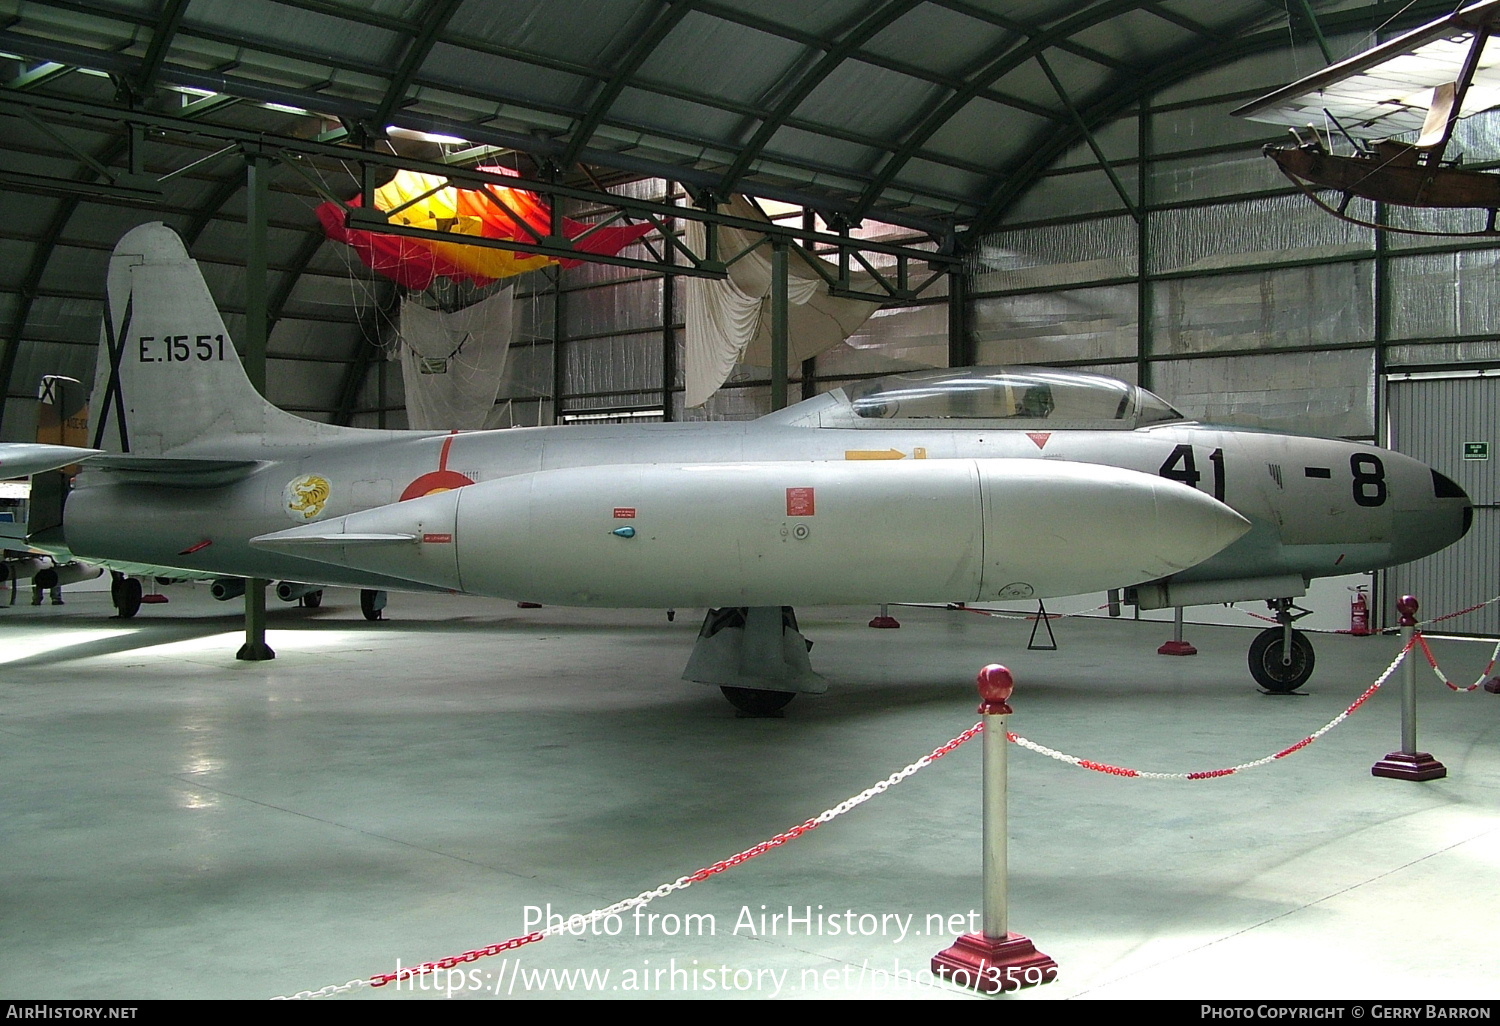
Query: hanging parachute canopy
x=493, y=212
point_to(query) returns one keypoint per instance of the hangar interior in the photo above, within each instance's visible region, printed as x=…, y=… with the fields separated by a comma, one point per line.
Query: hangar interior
x=1046, y=183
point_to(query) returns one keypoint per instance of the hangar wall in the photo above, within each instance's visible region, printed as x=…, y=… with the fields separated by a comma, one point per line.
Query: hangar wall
x=1233, y=296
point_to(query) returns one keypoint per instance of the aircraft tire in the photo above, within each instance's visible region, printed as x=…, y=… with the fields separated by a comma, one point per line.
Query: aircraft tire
x=1266, y=665
x=312, y=600
x=371, y=602
x=758, y=702
x=127, y=596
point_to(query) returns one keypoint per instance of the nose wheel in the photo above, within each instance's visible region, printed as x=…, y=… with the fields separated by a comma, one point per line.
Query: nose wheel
x=756, y=702
x=1281, y=659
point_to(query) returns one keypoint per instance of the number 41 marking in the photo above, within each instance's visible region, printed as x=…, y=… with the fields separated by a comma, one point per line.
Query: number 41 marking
x=1181, y=466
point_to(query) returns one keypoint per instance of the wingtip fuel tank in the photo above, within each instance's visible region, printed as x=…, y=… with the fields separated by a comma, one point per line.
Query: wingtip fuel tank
x=782, y=533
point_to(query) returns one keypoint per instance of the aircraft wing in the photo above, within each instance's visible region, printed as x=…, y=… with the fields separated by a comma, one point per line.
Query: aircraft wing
x=1389, y=90
x=167, y=470
x=22, y=459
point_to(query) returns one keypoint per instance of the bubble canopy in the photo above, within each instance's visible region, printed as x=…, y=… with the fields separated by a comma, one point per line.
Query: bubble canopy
x=1019, y=394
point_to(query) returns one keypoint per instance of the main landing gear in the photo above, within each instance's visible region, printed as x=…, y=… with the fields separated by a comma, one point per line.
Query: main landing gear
x=1281, y=659
x=371, y=603
x=756, y=656
x=125, y=593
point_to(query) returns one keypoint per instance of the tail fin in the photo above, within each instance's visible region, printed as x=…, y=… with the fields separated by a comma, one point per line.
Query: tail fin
x=168, y=379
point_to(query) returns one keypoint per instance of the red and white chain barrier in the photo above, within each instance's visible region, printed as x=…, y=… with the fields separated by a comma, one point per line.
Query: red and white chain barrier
x=582, y=921
x=1385, y=630
x=1432, y=661
x=1461, y=612
x=1121, y=771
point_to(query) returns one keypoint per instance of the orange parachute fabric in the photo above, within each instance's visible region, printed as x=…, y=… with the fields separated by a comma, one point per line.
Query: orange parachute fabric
x=428, y=201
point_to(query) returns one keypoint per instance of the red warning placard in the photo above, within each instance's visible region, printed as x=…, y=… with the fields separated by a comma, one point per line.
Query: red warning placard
x=624, y=512
x=799, y=502
x=438, y=539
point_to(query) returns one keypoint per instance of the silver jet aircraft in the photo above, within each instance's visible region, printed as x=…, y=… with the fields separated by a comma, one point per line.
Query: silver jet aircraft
x=942, y=486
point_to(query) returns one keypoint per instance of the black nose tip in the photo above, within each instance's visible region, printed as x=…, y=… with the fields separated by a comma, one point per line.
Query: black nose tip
x=1444, y=487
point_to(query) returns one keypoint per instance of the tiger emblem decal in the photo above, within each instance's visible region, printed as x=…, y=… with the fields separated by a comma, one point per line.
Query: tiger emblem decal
x=306, y=496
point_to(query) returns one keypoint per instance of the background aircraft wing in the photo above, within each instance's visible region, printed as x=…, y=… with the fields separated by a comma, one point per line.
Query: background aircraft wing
x=22, y=459
x=1388, y=90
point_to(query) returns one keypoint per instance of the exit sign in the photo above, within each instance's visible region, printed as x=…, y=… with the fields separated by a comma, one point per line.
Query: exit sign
x=1476, y=450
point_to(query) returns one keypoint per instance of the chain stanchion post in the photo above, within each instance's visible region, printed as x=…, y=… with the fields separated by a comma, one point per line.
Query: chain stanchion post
x=885, y=620
x=1408, y=763
x=994, y=960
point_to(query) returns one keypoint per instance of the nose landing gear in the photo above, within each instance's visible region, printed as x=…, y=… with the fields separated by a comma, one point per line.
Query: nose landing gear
x=1281, y=659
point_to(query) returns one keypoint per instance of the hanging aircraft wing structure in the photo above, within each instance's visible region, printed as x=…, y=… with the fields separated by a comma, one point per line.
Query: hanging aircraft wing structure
x=1416, y=87
x=1387, y=90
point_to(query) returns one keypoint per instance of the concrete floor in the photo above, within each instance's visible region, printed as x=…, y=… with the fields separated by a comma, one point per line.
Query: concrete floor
x=176, y=824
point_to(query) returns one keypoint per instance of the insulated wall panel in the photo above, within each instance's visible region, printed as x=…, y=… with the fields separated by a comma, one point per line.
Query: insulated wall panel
x=1329, y=394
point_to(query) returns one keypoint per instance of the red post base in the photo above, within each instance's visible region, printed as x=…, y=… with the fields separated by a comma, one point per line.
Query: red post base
x=886, y=622
x=1403, y=766
x=991, y=966
x=1177, y=648
x=153, y=599
x=1493, y=685
x=528, y=605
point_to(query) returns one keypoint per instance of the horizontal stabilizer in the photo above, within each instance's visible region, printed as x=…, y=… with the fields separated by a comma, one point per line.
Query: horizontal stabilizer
x=22, y=459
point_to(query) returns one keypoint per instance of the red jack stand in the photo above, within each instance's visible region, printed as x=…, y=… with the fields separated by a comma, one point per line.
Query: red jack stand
x=885, y=620
x=995, y=960
x=1177, y=646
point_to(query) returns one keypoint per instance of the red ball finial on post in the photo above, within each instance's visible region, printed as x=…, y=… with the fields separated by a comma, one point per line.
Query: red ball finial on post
x=995, y=688
x=1407, y=607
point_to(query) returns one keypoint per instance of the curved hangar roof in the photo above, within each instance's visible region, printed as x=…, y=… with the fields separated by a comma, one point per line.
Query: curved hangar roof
x=932, y=114
x=881, y=106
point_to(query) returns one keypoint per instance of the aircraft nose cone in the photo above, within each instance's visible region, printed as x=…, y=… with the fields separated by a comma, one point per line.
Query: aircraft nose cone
x=1440, y=521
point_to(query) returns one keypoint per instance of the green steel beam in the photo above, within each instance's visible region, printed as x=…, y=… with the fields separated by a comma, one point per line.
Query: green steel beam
x=1088, y=135
x=779, y=331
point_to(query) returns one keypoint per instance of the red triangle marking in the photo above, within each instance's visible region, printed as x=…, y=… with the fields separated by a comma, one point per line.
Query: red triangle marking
x=1039, y=437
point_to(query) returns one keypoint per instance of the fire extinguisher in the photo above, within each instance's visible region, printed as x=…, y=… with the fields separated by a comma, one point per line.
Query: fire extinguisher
x=1359, y=612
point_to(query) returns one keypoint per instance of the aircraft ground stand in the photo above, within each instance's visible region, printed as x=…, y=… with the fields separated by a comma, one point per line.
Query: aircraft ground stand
x=1177, y=647
x=1408, y=763
x=1042, y=619
x=994, y=960
x=255, y=647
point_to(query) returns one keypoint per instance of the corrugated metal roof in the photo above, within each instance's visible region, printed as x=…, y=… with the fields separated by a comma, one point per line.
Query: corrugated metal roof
x=925, y=112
